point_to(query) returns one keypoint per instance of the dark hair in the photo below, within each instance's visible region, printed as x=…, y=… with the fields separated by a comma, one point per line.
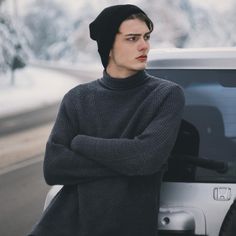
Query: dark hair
x=143, y=18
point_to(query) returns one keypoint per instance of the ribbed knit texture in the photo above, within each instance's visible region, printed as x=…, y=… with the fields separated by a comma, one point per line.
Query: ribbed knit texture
x=111, y=140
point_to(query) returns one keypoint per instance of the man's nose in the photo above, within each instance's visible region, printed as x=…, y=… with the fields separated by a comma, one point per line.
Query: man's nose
x=143, y=44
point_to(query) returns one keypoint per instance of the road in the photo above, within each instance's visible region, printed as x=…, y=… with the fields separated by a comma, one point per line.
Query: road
x=22, y=196
x=26, y=120
x=22, y=187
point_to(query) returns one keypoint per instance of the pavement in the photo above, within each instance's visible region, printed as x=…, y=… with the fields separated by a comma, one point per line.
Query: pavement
x=23, y=193
x=23, y=148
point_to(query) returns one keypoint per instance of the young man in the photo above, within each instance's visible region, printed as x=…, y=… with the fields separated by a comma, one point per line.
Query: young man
x=112, y=137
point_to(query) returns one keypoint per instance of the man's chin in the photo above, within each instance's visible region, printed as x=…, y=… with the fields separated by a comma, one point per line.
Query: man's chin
x=141, y=66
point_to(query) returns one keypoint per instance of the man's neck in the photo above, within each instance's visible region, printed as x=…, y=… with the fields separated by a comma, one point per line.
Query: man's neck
x=119, y=73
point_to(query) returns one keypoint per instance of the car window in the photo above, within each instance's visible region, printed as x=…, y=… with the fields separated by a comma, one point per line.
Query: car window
x=211, y=110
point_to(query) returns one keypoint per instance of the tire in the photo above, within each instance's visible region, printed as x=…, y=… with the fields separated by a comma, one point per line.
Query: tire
x=228, y=227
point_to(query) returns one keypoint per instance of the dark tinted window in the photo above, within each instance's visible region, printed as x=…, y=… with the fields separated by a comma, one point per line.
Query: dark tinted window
x=211, y=110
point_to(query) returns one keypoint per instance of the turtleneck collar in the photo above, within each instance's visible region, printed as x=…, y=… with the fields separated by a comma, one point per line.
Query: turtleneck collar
x=124, y=83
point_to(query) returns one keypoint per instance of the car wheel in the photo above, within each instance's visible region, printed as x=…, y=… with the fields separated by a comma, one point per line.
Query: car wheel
x=228, y=227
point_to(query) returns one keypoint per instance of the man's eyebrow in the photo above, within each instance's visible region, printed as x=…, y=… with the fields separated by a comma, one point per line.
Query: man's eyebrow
x=133, y=34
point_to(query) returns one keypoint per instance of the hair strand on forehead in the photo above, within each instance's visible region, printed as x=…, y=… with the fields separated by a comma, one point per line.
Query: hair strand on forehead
x=142, y=17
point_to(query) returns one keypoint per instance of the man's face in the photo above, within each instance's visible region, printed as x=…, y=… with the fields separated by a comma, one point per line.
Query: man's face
x=130, y=49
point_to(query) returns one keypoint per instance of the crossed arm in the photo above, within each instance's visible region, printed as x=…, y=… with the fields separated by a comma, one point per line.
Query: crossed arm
x=62, y=165
x=147, y=152
x=71, y=158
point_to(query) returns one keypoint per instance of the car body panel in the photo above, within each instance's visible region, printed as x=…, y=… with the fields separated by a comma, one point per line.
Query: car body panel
x=198, y=200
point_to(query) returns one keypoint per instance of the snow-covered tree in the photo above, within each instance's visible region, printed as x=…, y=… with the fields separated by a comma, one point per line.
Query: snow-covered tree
x=171, y=21
x=13, y=45
x=48, y=24
x=228, y=23
x=58, y=35
x=210, y=29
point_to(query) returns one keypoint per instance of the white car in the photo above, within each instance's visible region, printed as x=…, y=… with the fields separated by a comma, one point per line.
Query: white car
x=199, y=189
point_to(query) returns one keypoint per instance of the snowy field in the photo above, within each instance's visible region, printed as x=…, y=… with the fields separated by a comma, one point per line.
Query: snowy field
x=33, y=88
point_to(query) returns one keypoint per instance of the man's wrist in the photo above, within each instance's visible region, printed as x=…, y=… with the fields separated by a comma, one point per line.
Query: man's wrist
x=75, y=143
x=79, y=142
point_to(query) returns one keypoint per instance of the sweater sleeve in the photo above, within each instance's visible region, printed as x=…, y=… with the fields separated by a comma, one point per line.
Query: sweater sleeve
x=146, y=153
x=62, y=165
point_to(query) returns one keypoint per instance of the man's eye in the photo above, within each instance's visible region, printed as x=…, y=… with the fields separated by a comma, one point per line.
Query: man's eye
x=132, y=39
x=147, y=37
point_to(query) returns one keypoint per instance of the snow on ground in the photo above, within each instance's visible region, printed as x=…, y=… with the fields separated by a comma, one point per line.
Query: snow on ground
x=34, y=87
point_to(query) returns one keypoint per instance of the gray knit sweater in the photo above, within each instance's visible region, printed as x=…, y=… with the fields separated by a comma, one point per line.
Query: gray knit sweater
x=110, y=141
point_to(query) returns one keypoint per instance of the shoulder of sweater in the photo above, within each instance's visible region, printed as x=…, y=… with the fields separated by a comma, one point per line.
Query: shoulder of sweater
x=166, y=88
x=161, y=83
x=80, y=89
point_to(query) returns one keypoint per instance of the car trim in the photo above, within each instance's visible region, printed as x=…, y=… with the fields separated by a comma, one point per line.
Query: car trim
x=200, y=58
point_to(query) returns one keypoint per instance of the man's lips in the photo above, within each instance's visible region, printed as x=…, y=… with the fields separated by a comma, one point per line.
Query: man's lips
x=142, y=58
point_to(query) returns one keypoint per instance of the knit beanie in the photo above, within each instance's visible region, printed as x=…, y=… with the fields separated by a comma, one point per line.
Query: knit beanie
x=105, y=27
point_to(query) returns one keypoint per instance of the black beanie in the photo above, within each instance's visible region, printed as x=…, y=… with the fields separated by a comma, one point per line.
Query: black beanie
x=105, y=27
